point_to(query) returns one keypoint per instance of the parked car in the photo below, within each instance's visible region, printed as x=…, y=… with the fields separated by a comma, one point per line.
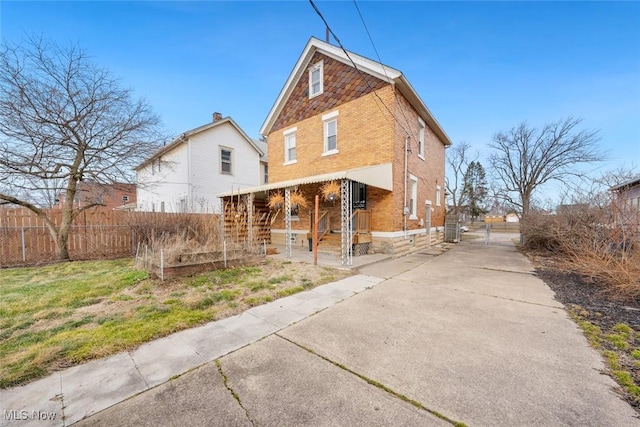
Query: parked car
x=464, y=228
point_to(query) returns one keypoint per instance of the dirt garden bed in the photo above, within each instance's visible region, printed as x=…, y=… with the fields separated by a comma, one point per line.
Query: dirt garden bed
x=611, y=325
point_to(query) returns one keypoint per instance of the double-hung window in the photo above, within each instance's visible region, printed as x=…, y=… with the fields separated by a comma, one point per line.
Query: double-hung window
x=413, y=201
x=330, y=122
x=421, y=127
x=316, y=80
x=290, y=146
x=226, y=158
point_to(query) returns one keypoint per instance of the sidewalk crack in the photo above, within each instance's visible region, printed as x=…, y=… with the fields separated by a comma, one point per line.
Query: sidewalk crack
x=378, y=385
x=232, y=391
x=508, y=299
x=138, y=369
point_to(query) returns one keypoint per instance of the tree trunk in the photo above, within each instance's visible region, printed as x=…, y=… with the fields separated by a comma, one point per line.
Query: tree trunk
x=62, y=247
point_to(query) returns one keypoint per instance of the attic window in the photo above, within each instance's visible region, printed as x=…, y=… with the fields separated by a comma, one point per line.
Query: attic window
x=316, y=80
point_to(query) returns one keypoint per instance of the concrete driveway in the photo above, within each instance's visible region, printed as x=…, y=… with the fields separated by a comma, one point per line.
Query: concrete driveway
x=469, y=336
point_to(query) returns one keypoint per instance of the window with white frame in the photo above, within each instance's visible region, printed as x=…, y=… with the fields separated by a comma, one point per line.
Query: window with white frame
x=330, y=122
x=421, y=127
x=290, y=146
x=226, y=161
x=413, y=201
x=266, y=174
x=316, y=80
x=438, y=195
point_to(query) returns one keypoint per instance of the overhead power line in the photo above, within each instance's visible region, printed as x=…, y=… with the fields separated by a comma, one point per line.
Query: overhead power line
x=380, y=60
x=356, y=67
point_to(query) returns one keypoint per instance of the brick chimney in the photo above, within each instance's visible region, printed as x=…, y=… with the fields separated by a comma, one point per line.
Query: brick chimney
x=217, y=116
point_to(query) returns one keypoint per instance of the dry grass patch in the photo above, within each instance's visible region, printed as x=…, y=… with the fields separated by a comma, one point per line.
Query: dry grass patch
x=59, y=315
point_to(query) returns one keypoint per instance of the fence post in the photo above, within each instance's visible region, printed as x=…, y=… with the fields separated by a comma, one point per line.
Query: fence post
x=162, y=265
x=24, y=247
x=264, y=245
x=224, y=253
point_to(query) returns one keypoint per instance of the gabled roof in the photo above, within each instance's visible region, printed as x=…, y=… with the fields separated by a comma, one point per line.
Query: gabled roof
x=365, y=65
x=626, y=185
x=182, y=138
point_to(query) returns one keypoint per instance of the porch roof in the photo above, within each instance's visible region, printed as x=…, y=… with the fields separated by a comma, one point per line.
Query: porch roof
x=380, y=176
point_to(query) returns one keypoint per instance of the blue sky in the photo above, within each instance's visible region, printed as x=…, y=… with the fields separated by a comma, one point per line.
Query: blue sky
x=481, y=67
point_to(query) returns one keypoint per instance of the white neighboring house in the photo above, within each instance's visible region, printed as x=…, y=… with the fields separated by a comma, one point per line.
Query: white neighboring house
x=188, y=174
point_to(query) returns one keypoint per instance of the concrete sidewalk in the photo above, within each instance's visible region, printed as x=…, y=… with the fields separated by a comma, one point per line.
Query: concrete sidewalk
x=75, y=393
x=469, y=336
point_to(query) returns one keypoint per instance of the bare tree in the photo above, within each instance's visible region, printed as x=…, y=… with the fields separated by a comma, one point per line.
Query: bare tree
x=525, y=158
x=64, y=120
x=458, y=160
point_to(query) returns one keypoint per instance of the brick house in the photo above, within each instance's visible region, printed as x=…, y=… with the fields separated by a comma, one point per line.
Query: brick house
x=114, y=196
x=365, y=128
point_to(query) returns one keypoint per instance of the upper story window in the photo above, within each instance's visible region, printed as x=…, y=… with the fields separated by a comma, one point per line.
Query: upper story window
x=330, y=122
x=290, y=146
x=438, y=195
x=316, y=80
x=226, y=159
x=266, y=174
x=421, y=127
x=125, y=199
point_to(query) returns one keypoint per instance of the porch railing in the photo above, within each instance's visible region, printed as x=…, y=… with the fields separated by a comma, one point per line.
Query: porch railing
x=361, y=221
x=324, y=225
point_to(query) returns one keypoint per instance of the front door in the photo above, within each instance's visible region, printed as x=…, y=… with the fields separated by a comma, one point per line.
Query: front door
x=358, y=195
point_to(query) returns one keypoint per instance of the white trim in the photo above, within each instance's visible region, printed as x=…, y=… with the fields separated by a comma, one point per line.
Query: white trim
x=421, y=137
x=325, y=126
x=330, y=152
x=290, y=162
x=379, y=176
x=413, y=197
x=438, y=195
x=428, y=202
x=382, y=72
x=392, y=234
x=317, y=66
x=331, y=115
x=231, y=160
x=288, y=134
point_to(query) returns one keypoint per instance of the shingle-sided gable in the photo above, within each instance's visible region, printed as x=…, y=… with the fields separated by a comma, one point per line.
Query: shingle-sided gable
x=342, y=83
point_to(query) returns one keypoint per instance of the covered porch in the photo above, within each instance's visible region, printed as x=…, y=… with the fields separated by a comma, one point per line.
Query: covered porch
x=344, y=221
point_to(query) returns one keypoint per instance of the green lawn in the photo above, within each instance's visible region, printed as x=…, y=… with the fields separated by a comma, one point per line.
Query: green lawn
x=63, y=314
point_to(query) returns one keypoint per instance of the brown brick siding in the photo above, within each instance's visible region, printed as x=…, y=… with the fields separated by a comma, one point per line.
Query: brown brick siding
x=342, y=83
x=367, y=135
x=430, y=171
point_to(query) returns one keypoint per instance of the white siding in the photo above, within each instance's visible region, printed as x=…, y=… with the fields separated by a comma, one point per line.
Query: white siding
x=169, y=185
x=191, y=172
x=206, y=178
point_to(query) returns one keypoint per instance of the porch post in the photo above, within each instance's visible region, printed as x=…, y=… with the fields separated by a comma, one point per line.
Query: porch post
x=287, y=221
x=346, y=208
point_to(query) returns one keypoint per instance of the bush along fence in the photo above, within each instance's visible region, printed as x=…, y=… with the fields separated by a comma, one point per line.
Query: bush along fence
x=103, y=234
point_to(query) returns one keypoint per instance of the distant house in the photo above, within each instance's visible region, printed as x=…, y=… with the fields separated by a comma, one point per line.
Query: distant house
x=115, y=196
x=627, y=194
x=626, y=198
x=344, y=120
x=189, y=173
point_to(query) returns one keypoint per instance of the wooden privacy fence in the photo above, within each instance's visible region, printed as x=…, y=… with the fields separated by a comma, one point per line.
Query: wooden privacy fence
x=25, y=239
